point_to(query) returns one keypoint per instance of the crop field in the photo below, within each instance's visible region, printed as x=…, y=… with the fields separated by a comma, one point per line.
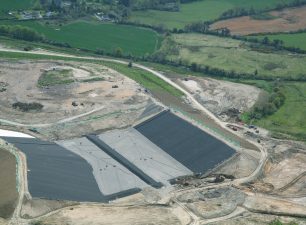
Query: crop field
x=290, y=40
x=93, y=36
x=291, y=19
x=196, y=11
x=232, y=55
x=290, y=118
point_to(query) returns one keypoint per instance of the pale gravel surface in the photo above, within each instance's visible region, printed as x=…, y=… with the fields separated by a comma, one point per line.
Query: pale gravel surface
x=218, y=96
x=147, y=156
x=110, y=175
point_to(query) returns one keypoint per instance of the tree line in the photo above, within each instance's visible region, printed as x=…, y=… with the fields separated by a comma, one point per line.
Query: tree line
x=240, y=11
x=204, y=28
x=269, y=105
x=20, y=32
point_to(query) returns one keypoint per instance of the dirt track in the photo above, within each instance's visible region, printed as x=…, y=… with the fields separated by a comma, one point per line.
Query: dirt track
x=291, y=19
x=163, y=215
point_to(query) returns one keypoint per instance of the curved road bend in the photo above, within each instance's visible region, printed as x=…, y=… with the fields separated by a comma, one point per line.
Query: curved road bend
x=188, y=95
x=163, y=77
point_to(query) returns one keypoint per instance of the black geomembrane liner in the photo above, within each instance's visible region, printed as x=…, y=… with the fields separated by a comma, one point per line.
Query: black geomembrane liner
x=58, y=174
x=191, y=146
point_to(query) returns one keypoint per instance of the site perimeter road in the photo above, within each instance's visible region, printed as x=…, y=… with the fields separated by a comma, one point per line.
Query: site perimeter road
x=188, y=95
x=51, y=124
x=195, y=103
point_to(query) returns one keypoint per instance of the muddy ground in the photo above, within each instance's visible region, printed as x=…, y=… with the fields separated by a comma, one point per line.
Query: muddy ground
x=37, y=207
x=285, y=170
x=259, y=219
x=8, y=191
x=213, y=203
x=224, y=99
x=3, y=222
x=291, y=19
x=99, y=215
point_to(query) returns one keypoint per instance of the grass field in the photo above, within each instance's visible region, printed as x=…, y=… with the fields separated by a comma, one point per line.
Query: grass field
x=197, y=11
x=12, y=5
x=232, y=55
x=93, y=36
x=6, y=5
x=290, y=40
x=290, y=118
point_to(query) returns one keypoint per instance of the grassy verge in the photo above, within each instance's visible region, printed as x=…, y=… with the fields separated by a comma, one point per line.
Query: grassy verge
x=145, y=78
x=21, y=45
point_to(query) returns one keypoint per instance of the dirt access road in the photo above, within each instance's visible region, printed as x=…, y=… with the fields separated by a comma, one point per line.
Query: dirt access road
x=188, y=95
x=190, y=98
x=50, y=124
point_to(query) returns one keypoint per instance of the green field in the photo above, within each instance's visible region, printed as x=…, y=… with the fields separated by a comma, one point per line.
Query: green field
x=232, y=55
x=197, y=11
x=290, y=118
x=297, y=40
x=7, y=5
x=93, y=36
x=13, y=5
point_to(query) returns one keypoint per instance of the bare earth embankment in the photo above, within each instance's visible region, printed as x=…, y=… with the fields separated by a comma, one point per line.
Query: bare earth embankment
x=8, y=192
x=82, y=215
x=291, y=19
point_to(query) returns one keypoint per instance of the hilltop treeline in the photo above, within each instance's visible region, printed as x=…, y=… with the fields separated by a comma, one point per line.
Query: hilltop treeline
x=20, y=32
x=164, y=5
x=27, y=34
x=268, y=105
